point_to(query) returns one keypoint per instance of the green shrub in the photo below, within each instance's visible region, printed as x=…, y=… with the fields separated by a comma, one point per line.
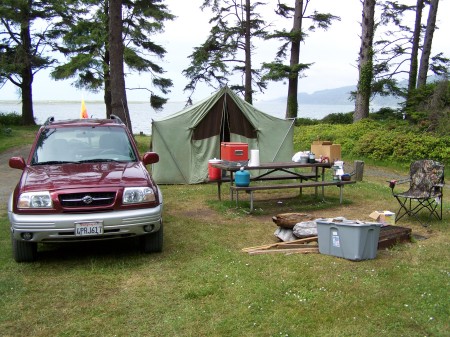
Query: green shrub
x=306, y=121
x=338, y=118
x=385, y=114
x=11, y=118
x=393, y=140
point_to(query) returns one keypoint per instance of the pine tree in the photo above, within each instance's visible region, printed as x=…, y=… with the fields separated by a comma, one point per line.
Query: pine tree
x=400, y=45
x=365, y=61
x=24, y=44
x=85, y=44
x=428, y=39
x=276, y=70
x=228, y=48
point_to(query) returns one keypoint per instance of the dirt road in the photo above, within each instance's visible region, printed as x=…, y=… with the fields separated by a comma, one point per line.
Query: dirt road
x=9, y=177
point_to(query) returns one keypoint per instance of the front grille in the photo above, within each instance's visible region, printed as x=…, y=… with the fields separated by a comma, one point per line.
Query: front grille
x=94, y=199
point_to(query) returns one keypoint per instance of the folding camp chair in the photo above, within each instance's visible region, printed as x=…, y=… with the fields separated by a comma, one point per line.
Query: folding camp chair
x=426, y=183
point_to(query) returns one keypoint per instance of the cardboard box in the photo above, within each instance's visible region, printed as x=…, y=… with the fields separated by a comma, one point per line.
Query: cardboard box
x=326, y=149
x=385, y=217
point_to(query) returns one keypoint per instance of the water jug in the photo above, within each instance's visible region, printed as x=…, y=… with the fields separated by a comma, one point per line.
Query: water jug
x=242, y=178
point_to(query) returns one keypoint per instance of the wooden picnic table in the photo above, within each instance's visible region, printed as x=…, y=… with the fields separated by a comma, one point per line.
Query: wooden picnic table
x=279, y=171
x=270, y=171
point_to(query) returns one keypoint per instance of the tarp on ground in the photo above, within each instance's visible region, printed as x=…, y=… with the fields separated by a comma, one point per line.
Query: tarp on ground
x=188, y=139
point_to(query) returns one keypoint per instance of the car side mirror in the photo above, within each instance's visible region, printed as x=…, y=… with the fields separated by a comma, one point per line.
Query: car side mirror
x=150, y=158
x=17, y=163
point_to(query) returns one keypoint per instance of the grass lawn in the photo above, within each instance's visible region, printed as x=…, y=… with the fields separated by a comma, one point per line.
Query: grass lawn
x=202, y=284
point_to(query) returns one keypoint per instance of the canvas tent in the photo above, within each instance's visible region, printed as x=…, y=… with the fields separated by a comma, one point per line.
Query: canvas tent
x=187, y=140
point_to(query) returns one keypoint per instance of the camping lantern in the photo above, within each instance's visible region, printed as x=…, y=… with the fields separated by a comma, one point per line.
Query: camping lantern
x=335, y=172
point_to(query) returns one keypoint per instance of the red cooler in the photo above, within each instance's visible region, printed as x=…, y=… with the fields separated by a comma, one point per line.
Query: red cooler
x=233, y=151
x=213, y=172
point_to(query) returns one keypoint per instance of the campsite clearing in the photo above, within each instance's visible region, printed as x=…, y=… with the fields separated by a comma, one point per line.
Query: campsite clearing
x=202, y=284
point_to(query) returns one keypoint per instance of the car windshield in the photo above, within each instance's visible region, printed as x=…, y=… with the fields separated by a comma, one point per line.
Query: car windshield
x=82, y=144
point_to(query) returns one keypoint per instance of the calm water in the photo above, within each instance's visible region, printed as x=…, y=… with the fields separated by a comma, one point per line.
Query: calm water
x=142, y=114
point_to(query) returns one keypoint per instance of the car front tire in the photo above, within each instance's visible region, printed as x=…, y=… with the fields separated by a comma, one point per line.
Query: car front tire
x=24, y=251
x=152, y=243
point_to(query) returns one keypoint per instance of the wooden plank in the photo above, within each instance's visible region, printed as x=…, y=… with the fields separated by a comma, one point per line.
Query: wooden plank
x=294, y=185
x=391, y=235
x=295, y=245
x=285, y=251
x=268, y=246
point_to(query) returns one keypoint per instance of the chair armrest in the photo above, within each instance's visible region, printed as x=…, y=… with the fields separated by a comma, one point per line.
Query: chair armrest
x=437, y=188
x=393, y=183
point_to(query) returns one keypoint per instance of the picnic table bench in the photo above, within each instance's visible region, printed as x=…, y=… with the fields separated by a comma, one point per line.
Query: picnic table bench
x=251, y=189
x=301, y=177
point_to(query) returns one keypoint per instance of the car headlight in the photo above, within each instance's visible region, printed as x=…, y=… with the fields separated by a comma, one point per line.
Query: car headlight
x=133, y=195
x=35, y=200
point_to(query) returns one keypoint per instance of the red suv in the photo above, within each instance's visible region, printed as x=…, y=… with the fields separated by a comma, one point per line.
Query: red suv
x=84, y=180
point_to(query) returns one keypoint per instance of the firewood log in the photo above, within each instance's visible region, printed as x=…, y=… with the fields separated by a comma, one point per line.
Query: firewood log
x=288, y=220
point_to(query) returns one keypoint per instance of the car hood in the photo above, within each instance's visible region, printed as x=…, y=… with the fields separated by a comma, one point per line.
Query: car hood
x=54, y=177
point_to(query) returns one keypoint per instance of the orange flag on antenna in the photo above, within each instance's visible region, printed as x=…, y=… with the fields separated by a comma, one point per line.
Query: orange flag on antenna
x=84, y=113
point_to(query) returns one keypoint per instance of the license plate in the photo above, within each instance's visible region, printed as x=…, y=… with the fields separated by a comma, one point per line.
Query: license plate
x=88, y=228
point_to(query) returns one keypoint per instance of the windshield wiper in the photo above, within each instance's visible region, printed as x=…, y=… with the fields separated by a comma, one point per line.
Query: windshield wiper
x=54, y=162
x=98, y=160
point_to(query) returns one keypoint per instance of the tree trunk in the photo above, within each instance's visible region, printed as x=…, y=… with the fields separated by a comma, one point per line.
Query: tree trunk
x=415, y=49
x=27, y=75
x=106, y=66
x=248, y=56
x=119, y=105
x=292, y=103
x=107, y=80
x=365, y=66
x=425, y=59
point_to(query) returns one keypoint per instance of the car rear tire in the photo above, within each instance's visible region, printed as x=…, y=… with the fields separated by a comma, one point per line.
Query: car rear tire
x=152, y=243
x=24, y=251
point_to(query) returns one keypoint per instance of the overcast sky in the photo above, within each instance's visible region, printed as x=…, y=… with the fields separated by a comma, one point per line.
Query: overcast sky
x=333, y=52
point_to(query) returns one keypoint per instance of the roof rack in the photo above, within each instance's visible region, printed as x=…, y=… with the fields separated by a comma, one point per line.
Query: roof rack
x=49, y=120
x=116, y=119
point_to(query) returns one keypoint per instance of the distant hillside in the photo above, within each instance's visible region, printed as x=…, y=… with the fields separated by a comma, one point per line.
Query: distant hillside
x=327, y=96
x=338, y=96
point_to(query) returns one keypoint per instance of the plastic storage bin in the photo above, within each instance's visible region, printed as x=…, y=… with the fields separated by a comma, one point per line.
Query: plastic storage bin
x=348, y=239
